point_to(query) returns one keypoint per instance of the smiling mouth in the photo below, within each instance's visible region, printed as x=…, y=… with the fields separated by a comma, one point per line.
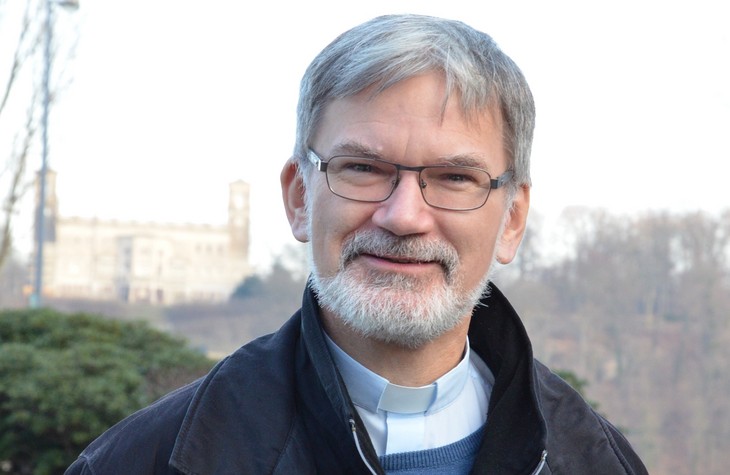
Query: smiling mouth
x=400, y=251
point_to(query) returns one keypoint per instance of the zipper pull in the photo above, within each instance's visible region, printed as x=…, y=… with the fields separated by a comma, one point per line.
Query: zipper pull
x=543, y=461
x=359, y=450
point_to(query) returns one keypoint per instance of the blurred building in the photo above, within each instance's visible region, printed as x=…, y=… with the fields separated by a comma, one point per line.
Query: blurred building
x=89, y=258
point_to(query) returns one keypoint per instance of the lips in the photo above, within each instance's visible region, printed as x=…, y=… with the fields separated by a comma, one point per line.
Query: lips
x=414, y=262
x=403, y=260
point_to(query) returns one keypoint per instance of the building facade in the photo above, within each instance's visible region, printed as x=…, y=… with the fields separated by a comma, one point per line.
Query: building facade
x=165, y=264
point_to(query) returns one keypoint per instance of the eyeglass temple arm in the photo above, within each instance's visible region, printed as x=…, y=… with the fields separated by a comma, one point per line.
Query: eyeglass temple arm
x=316, y=161
x=501, y=180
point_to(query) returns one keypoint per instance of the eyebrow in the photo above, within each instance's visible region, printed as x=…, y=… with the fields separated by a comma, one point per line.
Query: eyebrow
x=359, y=149
x=466, y=160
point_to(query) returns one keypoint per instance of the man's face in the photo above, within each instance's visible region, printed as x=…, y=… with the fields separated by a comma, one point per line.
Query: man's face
x=401, y=253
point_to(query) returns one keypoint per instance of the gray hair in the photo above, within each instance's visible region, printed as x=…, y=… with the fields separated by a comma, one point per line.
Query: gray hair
x=391, y=48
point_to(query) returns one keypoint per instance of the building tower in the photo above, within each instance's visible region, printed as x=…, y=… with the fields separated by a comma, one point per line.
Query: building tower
x=238, y=218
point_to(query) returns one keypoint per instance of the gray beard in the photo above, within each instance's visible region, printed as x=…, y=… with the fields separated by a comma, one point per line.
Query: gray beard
x=394, y=308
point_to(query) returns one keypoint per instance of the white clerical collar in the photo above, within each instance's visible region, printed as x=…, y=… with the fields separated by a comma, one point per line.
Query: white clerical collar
x=373, y=392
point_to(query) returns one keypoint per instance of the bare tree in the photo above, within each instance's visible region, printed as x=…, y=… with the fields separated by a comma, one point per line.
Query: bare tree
x=13, y=174
x=21, y=102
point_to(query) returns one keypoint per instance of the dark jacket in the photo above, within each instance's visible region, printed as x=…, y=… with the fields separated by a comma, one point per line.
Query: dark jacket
x=278, y=406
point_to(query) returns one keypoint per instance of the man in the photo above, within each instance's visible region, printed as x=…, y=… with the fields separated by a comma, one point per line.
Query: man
x=410, y=178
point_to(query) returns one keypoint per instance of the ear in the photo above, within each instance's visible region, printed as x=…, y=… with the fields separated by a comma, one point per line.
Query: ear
x=292, y=190
x=514, y=226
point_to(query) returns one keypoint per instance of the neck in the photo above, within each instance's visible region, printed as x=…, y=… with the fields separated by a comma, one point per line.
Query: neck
x=403, y=366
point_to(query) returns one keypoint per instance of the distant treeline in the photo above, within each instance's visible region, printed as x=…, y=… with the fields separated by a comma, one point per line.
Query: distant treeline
x=639, y=306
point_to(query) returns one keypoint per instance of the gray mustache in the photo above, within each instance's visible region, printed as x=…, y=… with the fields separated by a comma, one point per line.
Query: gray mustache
x=412, y=248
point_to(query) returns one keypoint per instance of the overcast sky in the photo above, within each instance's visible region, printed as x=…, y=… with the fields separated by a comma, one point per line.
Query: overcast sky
x=172, y=99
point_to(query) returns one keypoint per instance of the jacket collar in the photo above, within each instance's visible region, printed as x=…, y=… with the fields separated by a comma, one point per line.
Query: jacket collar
x=516, y=431
x=262, y=406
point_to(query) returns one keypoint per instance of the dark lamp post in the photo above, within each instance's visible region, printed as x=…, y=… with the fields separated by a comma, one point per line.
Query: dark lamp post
x=36, y=297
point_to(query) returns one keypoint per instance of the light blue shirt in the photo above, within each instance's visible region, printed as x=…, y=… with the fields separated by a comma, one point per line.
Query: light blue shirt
x=405, y=419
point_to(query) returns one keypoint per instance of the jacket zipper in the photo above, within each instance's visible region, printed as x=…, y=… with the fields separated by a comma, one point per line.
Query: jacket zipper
x=359, y=450
x=543, y=461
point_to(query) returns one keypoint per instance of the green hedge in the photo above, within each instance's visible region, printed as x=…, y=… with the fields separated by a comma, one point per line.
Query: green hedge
x=64, y=379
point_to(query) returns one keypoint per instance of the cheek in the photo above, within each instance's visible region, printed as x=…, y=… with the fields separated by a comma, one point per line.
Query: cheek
x=332, y=220
x=476, y=242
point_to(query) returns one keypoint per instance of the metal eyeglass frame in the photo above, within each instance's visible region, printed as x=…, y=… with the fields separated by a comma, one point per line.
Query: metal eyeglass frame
x=494, y=183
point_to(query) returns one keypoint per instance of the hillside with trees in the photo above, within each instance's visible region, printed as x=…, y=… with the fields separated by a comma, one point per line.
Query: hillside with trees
x=640, y=308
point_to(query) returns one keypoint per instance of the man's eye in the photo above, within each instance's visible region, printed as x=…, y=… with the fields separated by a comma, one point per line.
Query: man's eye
x=365, y=167
x=359, y=167
x=457, y=178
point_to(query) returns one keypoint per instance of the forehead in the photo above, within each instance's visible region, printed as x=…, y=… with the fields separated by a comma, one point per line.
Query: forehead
x=417, y=117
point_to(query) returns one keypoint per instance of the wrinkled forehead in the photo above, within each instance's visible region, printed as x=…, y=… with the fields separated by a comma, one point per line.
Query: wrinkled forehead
x=409, y=123
x=475, y=111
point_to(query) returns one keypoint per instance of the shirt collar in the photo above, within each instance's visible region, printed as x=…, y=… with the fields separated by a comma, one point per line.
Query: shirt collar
x=372, y=392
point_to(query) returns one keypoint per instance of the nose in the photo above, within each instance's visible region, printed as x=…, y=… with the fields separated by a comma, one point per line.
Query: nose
x=405, y=212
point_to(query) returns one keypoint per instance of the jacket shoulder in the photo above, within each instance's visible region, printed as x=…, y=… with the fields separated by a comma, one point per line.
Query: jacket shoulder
x=577, y=436
x=142, y=442
x=245, y=408
x=164, y=438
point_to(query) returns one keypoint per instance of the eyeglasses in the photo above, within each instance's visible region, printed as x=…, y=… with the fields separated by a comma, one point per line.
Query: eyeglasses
x=450, y=187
